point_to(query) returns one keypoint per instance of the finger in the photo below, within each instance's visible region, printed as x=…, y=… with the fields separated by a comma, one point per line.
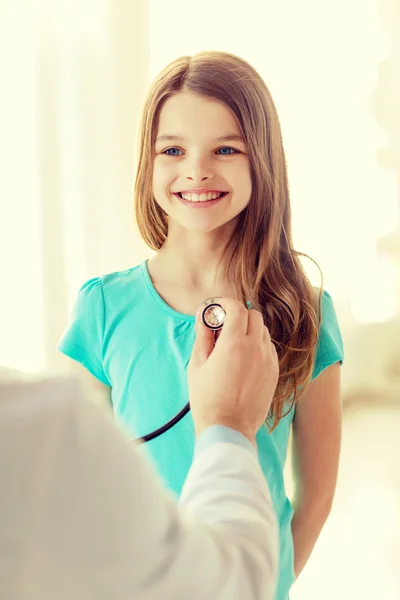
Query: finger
x=269, y=343
x=204, y=341
x=255, y=328
x=236, y=318
x=266, y=335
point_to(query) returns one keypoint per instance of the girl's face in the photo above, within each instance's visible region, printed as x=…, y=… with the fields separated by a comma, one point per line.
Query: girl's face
x=199, y=153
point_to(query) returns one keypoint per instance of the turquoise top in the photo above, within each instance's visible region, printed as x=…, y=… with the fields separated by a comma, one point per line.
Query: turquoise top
x=130, y=339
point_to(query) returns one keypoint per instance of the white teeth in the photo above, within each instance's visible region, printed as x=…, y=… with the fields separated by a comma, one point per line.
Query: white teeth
x=201, y=197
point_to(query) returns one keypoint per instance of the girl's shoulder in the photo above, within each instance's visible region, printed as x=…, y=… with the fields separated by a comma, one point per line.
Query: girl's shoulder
x=330, y=343
x=119, y=280
x=111, y=287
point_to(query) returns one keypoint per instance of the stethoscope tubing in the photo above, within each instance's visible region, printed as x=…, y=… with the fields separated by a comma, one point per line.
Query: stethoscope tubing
x=157, y=432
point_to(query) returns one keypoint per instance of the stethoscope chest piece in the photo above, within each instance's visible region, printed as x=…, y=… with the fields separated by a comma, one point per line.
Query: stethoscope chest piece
x=212, y=314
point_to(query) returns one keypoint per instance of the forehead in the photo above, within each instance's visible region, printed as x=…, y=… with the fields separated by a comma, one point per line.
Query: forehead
x=193, y=115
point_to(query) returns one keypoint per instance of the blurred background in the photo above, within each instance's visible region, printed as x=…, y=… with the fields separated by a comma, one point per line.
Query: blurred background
x=73, y=79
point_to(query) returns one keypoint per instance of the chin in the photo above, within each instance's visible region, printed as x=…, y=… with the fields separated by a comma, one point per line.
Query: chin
x=197, y=227
x=204, y=225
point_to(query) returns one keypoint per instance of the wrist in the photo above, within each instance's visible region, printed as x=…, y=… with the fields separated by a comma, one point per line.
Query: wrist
x=219, y=434
x=250, y=436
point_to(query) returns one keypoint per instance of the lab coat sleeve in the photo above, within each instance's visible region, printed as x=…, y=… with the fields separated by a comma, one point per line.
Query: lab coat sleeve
x=218, y=434
x=83, y=515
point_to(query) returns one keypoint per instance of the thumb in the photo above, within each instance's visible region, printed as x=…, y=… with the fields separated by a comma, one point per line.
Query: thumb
x=204, y=342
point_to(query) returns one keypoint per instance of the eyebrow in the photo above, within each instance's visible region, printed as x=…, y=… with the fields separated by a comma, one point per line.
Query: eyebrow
x=224, y=138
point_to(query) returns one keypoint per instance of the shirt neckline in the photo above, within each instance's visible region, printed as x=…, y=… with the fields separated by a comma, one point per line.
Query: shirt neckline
x=174, y=313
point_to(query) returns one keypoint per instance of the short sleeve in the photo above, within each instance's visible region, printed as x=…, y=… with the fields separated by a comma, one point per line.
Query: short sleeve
x=330, y=343
x=83, y=339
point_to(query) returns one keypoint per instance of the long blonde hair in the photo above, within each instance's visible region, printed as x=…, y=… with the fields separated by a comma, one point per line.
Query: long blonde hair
x=260, y=257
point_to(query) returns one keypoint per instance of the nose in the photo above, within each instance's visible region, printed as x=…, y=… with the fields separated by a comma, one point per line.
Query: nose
x=199, y=170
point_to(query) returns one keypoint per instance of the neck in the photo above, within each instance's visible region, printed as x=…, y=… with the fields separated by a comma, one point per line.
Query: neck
x=192, y=261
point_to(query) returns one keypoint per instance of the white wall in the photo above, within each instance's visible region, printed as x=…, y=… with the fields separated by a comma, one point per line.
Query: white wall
x=320, y=62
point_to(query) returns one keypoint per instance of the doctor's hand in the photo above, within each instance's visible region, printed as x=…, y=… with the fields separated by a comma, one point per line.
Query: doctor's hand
x=233, y=383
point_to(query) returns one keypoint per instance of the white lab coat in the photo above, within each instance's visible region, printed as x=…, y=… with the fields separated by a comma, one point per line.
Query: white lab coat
x=83, y=515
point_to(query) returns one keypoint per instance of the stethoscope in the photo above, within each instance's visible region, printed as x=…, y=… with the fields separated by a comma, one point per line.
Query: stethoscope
x=213, y=317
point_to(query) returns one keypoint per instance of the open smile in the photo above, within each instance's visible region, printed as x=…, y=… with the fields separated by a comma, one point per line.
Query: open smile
x=204, y=200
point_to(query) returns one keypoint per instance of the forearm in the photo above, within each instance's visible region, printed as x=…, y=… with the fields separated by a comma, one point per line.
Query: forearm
x=227, y=493
x=307, y=524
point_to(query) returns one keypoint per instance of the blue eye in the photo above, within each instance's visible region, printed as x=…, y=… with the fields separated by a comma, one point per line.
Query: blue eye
x=167, y=152
x=231, y=151
x=220, y=151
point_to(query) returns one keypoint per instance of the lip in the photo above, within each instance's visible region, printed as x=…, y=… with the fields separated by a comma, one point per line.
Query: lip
x=201, y=191
x=201, y=205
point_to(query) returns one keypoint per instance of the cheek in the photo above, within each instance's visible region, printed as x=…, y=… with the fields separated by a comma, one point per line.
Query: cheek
x=248, y=179
x=158, y=182
x=163, y=176
x=241, y=180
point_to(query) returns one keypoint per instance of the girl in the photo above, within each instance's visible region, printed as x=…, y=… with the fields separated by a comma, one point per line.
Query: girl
x=212, y=200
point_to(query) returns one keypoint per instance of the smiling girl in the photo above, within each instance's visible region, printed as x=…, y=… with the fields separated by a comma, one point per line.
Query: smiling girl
x=212, y=200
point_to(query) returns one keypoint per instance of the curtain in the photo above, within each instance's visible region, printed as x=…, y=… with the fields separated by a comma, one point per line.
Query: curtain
x=76, y=75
